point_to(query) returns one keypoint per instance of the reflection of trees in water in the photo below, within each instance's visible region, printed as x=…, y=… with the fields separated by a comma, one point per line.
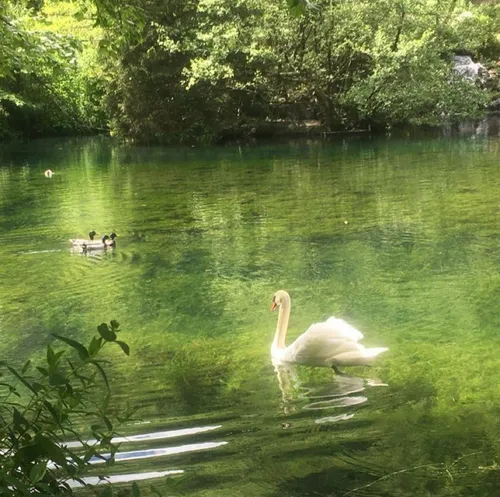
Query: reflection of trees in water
x=196, y=377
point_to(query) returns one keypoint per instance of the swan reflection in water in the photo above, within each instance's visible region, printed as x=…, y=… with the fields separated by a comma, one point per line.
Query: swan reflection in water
x=337, y=392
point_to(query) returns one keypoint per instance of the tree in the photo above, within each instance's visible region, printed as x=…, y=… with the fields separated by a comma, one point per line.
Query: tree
x=205, y=70
x=43, y=89
x=208, y=67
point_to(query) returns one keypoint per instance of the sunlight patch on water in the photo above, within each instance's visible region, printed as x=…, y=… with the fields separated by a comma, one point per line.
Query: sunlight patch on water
x=159, y=435
x=333, y=419
x=337, y=402
x=149, y=453
x=164, y=451
x=339, y=387
x=127, y=478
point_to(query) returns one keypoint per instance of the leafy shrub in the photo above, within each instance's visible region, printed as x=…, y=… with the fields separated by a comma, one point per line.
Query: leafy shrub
x=42, y=407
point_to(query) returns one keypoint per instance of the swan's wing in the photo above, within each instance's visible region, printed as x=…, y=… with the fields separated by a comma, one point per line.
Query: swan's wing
x=317, y=346
x=335, y=328
x=344, y=329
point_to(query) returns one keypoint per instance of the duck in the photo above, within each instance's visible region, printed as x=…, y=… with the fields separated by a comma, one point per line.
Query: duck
x=110, y=241
x=331, y=343
x=82, y=241
x=105, y=242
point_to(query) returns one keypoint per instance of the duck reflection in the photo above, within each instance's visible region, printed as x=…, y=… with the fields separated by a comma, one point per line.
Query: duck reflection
x=94, y=252
x=336, y=392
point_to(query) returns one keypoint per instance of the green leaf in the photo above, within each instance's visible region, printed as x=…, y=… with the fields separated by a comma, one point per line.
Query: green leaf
x=16, y=483
x=50, y=355
x=43, y=370
x=107, y=492
x=81, y=349
x=124, y=347
x=135, y=490
x=55, y=452
x=6, y=385
x=155, y=490
x=26, y=366
x=19, y=419
x=95, y=346
x=21, y=379
x=58, y=355
x=52, y=411
x=114, y=324
x=103, y=374
x=108, y=423
x=38, y=386
x=106, y=333
x=89, y=454
x=57, y=379
x=38, y=471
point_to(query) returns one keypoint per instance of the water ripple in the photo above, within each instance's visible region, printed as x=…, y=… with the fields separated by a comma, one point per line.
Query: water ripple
x=338, y=402
x=126, y=478
x=159, y=435
x=162, y=451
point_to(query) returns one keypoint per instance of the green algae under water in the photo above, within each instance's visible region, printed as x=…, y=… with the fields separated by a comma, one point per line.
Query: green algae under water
x=399, y=237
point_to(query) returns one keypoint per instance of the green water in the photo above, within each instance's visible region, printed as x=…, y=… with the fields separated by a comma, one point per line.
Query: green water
x=399, y=237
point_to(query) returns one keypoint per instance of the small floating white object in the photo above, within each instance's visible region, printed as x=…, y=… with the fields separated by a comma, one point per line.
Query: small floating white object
x=48, y=173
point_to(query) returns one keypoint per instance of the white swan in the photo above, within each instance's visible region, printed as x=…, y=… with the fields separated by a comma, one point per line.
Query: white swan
x=331, y=343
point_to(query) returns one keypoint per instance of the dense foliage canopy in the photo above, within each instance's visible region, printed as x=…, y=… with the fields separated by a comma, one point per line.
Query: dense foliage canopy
x=206, y=70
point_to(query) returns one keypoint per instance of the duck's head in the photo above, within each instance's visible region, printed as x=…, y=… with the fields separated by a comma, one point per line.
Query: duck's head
x=113, y=236
x=92, y=234
x=104, y=238
x=279, y=298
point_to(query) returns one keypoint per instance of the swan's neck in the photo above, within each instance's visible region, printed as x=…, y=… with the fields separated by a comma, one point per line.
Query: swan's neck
x=282, y=326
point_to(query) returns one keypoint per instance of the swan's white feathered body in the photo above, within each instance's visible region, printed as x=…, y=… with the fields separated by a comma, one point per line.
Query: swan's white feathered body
x=330, y=343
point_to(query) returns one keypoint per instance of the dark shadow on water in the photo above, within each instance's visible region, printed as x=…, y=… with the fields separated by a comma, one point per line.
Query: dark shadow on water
x=330, y=449
x=331, y=482
x=191, y=482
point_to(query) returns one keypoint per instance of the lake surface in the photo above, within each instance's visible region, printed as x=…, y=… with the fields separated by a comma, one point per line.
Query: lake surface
x=400, y=237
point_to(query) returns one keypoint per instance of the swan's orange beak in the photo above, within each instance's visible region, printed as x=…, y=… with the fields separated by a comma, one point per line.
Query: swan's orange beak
x=274, y=305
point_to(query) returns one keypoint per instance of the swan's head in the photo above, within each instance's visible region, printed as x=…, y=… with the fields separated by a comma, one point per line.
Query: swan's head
x=278, y=298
